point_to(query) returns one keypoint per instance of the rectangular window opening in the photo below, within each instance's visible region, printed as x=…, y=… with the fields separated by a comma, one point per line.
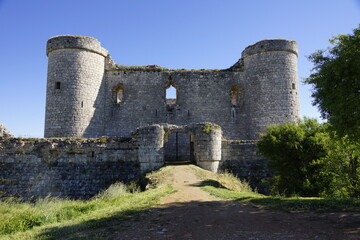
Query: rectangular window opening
x=57, y=85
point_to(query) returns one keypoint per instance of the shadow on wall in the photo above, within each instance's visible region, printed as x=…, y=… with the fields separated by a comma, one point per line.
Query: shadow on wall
x=96, y=127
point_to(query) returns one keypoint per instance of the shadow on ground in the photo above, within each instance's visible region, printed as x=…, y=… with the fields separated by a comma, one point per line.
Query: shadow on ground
x=212, y=220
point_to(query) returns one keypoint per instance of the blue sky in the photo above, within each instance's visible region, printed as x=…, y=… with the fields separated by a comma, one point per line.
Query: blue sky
x=190, y=34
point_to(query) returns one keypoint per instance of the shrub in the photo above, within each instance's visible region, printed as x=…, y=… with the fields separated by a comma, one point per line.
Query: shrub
x=294, y=150
x=308, y=159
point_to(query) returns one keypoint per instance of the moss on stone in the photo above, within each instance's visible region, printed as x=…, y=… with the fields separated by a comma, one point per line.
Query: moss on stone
x=209, y=127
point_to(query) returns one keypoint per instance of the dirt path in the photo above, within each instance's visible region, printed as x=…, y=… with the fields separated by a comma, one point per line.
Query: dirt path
x=184, y=180
x=191, y=213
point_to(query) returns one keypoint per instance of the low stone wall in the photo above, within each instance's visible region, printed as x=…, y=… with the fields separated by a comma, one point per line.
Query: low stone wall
x=241, y=158
x=81, y=168
x=72, y=168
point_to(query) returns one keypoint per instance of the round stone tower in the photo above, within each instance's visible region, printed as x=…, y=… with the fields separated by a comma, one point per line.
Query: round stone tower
x=270, y=68
x=74, y=96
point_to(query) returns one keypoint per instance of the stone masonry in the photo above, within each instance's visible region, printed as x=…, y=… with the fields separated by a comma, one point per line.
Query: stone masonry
x=71, y=168
x=88, y=95
x=106, y=122
x=81, y=168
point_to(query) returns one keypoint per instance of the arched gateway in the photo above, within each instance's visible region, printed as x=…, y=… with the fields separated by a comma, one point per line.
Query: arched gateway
x=206, y=138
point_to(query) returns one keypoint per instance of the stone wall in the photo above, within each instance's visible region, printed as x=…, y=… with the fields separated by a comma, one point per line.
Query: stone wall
x=65, y=167
x=202, y=96
x=241, y=159
x=151, y=147
x=81, y=168
x=241, y=100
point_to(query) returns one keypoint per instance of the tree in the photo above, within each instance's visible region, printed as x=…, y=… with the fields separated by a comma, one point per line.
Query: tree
x=294, y=152
x=336, y=83
x=308, y=159
x=341, y=169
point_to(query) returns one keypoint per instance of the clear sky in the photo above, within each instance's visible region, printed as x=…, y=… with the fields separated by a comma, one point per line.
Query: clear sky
x=191, y=34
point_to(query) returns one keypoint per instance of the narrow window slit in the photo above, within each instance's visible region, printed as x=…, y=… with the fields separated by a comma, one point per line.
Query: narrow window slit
x=235, y=93
x=119, y=94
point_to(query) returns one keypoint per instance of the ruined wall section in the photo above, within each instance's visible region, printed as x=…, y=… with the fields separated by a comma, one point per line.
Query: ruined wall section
x=4, y=133
x=142, y=102
x=65, y=167
x=75, y=91
x=270, y=68
x=202, y=96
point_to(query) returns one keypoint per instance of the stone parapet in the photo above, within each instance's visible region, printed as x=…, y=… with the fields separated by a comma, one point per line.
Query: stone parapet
x=271, y=45
x=75, y=42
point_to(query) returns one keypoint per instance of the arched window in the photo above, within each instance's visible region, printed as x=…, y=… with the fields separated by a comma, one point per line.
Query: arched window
x=119, y=94
x=171, y=92
x=235, y=94
x=171, y=95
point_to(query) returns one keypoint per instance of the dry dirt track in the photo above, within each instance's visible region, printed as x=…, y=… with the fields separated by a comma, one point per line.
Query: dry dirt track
x=193, y=214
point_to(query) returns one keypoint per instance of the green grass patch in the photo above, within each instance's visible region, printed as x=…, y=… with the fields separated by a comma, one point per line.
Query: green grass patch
x=54, y=218
x=227, y=186
x=291, y=204
x=222, y=180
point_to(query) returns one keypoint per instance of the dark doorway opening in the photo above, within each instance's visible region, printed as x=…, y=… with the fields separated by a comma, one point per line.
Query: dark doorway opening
x=179, y=149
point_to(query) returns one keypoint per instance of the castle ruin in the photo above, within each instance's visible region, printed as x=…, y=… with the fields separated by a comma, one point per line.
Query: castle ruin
x=107, y=122
x=88, y=95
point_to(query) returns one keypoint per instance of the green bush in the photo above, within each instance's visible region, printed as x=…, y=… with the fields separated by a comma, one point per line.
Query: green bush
x=308, y=159
x=341, y=168
x=294, y=150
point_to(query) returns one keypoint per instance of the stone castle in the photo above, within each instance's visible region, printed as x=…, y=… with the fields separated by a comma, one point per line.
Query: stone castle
x=106, y=122
x=88, y=95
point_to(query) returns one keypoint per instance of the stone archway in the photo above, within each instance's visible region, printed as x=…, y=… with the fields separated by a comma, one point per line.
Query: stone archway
x=206, y=138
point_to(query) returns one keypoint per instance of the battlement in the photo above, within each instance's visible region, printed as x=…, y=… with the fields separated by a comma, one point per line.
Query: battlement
x=75, y=42
x=269, y=45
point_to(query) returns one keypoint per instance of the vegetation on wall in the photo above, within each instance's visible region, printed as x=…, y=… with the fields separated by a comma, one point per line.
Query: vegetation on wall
x=208, y=127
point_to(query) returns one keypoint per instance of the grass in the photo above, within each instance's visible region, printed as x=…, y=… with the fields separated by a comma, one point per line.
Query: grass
x=159, y=177
x=106, y=213
x=226, y=186
x=289, y=204
x=222, y=180
x=54, y=218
